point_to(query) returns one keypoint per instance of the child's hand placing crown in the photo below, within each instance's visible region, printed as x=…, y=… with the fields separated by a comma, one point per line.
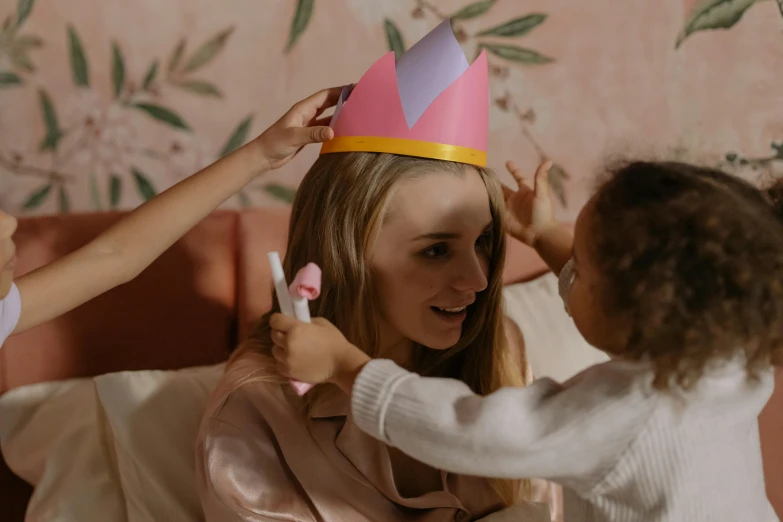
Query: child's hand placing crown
x=314, y=352
x=298, y=127
x=529, y=212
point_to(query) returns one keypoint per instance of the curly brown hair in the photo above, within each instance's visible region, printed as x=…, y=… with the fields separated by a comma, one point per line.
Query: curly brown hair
x=694, y=258
x=775, y=194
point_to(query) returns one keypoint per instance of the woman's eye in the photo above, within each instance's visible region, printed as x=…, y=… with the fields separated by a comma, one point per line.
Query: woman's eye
x=435, y=251
x=484, y=240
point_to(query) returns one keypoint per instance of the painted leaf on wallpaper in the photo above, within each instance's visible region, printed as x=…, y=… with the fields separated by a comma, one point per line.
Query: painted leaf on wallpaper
x=28, y=41
x=238, y=137
x=9, y=79
x=117, y=69
x=53, y=132
x=200, y=87
x=79, y=65
x=558, y=178
x=162, y=114
x=394, y=38
x=143, y=185
x=23, y=9
x=20, y=60
x=780, y=6
x=176, y=56
x=150, y=76
x=65, y=203
x=35, y=199
x=208, y=50
x=280, y=192
x=244, y=199
x=6, y=27
x=95, y=194
x=516, y=54
x=516, y=27
x=302, y=15
x=713, y=14
x=115, y=190
x=473, y=10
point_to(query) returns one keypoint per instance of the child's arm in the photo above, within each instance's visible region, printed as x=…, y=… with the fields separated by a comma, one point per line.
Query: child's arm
x=530, y=218
x=572, y=434
x=123, y=251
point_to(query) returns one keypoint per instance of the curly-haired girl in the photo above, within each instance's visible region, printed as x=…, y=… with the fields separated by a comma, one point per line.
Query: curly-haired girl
x=676, y=271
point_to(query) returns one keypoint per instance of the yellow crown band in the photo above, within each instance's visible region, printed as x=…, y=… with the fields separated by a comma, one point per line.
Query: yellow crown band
x=421, y=149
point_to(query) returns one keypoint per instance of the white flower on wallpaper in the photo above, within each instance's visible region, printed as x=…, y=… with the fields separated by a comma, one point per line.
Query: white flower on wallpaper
x=119, y=147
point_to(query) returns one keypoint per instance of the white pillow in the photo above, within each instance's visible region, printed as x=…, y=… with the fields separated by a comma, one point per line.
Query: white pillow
x=553, y=346
x=155, y=416
x=118, y=447
x=52, y=435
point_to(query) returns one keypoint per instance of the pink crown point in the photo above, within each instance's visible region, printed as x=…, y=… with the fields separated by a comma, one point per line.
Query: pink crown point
x=430, y=103
x=469, y=125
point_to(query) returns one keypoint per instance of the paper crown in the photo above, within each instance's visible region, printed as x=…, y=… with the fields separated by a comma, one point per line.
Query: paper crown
x=430, y=104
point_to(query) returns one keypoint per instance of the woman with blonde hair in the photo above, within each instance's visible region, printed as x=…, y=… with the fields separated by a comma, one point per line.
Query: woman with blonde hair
x=411, y=252
x=407, y=226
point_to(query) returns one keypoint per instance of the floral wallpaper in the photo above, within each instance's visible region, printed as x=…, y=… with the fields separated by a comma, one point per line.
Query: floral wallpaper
x=105, y=104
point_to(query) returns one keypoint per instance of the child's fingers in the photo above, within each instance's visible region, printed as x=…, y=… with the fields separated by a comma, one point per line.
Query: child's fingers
x=542, y=179
x=507, y=191
x=321, y=122
x=516, y=173
x=318, y=102
x=301, y=136
x=281, y=322
x=278, y=353
x=278, y=337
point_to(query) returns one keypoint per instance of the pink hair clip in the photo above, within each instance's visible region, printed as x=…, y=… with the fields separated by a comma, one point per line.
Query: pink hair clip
x=306, y=287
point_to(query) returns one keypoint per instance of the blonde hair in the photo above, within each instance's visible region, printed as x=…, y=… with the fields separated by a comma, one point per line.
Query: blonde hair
x=336, y=215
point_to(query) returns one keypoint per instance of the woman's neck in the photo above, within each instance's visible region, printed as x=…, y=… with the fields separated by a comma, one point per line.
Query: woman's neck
x=395, y=347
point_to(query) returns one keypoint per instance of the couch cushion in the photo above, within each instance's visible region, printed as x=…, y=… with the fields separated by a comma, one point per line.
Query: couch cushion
x=260, y=230
x=179, y=312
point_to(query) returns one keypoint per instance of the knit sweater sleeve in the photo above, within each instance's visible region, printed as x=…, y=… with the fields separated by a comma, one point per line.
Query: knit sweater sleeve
x=572, y=433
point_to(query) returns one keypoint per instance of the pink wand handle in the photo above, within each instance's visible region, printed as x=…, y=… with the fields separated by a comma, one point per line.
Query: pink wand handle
x=306, y=287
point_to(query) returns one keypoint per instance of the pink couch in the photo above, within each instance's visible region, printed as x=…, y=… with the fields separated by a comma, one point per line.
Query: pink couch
x=189, y=308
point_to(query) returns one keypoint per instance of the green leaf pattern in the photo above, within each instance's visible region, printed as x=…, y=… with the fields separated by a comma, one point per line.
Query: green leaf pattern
x=517, y=54
x=238, y=137
x=79, y=66
x=713, y=14
x=117, y=70
x=23, y=9
x=302, y=15
x=163, y=115
x=516, y=27
x=53, y=132
x=207, y=51
x=9, y=79
x=473, y=10
x=143, y=185
x=37, y=198
x=394, y=38
x=115, y=190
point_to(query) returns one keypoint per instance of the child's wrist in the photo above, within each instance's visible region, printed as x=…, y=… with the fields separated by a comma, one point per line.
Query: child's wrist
x=544, y=234
x=351, y=364
x=261, y=161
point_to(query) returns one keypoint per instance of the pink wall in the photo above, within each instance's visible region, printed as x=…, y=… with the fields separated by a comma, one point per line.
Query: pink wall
x=612, y=82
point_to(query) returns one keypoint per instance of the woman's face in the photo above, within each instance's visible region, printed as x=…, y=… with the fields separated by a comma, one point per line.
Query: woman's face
x=430, y=257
